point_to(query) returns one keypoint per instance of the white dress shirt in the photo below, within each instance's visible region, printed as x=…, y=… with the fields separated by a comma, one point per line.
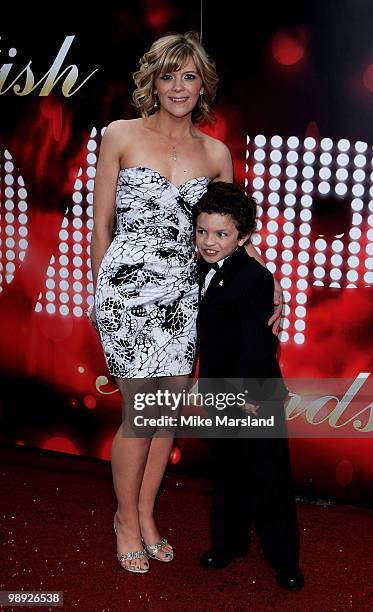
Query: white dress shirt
x=209, y=276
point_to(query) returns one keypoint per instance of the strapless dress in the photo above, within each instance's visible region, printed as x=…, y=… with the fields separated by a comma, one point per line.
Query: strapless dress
x=146, y=295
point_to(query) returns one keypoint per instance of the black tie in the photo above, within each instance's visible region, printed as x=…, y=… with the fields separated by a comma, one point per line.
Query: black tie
x=205, y=267
x=212, y=266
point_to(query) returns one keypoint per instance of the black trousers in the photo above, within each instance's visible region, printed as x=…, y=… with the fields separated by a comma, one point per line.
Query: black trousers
x=252, y=485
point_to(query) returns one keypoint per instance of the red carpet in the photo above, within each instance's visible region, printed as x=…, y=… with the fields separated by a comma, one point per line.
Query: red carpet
x=56, y=515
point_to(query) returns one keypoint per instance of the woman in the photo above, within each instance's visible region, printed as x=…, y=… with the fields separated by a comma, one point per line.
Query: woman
x=145, y=278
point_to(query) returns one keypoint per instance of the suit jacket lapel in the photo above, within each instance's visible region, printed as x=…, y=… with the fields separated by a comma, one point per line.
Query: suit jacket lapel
x=213, y=287
x=223, y=275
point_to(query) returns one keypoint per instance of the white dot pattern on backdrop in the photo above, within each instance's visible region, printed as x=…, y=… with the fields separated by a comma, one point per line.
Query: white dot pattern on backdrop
x=69, y=271
x=286, y=175
x=14, y=219
x=292, y=173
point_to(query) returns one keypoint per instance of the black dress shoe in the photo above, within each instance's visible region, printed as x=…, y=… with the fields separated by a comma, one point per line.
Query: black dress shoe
x=290, y=578
x=213, y=559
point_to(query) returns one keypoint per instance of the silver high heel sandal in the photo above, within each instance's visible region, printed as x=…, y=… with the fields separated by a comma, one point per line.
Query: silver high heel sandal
x=130, y=556
x=152, y=549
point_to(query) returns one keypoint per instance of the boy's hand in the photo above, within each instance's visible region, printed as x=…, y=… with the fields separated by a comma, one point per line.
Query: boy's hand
x=278, y=301
x=250, y=409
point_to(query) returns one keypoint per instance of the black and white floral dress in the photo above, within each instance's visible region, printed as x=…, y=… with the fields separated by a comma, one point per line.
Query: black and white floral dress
x=146, y=294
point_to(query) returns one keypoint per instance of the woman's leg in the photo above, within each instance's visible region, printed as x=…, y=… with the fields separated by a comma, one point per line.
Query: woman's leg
x=128, y=461
x=159, y=452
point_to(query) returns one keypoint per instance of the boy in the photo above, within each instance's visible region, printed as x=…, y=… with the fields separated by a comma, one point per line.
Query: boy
x=251, y=477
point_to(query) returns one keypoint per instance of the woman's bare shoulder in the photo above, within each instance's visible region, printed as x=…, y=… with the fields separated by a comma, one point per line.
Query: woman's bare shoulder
x=119, y=136
x=219, y=154
x=213, y=144
x=122, y=128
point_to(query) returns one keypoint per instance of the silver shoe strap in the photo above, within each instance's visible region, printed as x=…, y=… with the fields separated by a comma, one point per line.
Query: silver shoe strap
x=154, y=548
x=130, y=556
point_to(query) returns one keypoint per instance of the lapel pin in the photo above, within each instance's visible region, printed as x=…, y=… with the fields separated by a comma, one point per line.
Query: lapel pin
x=221, y=283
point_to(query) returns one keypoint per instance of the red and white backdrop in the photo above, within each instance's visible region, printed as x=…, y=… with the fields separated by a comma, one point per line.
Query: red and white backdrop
x=296, y=108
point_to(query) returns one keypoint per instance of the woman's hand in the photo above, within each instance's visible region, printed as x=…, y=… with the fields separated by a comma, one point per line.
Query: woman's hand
x=250, y=409
x=278, y=301
x=91, y=315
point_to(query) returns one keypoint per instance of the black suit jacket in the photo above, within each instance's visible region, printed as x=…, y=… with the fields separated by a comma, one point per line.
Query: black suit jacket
x=233, y=336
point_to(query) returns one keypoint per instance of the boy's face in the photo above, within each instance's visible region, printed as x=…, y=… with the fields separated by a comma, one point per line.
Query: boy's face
x=217, y=236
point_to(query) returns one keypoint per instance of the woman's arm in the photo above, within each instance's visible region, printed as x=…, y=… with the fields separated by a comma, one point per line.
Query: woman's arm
x=108, y=166
x=223, y=162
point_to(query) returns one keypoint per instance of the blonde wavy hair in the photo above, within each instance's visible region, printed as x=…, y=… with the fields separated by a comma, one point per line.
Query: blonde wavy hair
x=169, y=54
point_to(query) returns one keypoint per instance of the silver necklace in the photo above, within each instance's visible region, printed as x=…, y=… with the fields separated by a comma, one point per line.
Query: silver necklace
x=173, y=153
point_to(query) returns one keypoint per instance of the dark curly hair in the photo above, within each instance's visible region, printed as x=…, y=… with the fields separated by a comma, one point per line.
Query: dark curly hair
x=228, y=199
